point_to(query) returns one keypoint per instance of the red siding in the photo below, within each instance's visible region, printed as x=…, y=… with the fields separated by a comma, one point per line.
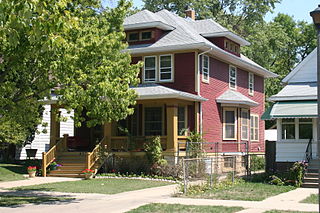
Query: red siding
x=212, y=111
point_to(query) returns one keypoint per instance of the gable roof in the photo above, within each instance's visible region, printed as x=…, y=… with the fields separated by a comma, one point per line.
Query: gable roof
x=306, y=71
x=186, y=34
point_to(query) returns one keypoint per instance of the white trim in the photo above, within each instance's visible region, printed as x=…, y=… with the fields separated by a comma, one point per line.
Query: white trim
x=171, y=68
x=235, y=123
x=296, y=129
x=251, y=84
x=208, y=69
x=241, y=124
x=233, y=37
x=231, y=78
x=292, y=98
x=255, y=126
x=144, y=69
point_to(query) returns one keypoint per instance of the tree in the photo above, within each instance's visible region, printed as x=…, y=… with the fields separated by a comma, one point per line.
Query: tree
x=71, y=48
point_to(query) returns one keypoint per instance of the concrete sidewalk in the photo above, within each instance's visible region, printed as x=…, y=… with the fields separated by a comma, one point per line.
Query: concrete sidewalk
x=34, y=181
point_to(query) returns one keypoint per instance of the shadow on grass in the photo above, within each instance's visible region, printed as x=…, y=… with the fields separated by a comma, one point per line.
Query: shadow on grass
x=19, y=169
x=14, y=199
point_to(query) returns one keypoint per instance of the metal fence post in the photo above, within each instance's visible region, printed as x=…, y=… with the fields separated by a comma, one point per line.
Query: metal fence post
x=184, y=176
x=211, y=172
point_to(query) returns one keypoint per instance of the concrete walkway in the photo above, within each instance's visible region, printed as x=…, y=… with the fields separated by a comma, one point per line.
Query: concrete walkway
x=34, y=181
x=126, y=201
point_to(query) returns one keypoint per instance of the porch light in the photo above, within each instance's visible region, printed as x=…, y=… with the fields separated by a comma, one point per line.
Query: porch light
x=316, y=20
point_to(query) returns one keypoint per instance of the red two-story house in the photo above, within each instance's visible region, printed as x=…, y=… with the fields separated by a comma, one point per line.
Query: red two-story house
x=194, y=77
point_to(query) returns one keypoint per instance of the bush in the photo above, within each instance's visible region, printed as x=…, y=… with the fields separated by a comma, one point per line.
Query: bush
x=135, y=165
x=167, y=170
x=275, y=180
x=257, y=163
x=154, y=151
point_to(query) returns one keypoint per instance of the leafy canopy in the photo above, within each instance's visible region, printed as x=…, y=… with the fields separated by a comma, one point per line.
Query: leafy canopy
x=71, y=48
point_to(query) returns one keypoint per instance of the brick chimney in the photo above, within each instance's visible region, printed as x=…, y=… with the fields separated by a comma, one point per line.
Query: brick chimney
x=191, y=14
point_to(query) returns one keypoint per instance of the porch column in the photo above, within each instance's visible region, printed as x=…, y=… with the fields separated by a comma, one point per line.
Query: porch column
x=172, y=127
x=107, y=134
x=196, y=117
x=54, y=125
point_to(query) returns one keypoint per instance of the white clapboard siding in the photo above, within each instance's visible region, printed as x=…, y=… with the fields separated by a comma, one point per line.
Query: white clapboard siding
x=42, y=140
x=67, y=127
x=293, y=151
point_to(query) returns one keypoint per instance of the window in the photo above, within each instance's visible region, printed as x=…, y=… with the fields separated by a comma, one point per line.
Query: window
x=205, y=68
x=228, y=162
x=231, y=46
x=251, y=83
x=153, y=121
x=232, y=77
x=254, y=127
x=244, y=124
x=182, y=123
x=150, y=69
x=305, y=128
x=146, y=35
x=165, y=68
x=229, y=124
x=134, y=36
x=288, y=129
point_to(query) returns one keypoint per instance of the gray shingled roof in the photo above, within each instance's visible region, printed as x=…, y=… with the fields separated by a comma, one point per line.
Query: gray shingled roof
x=156, y=91
x=299, y=91
x=234, y=97
x=186, y=35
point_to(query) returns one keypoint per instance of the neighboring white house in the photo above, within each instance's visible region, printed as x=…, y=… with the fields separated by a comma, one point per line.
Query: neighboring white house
x=41, y=141
x=295, y=109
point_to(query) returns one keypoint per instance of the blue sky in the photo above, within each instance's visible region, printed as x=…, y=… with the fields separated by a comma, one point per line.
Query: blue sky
x=299, y=9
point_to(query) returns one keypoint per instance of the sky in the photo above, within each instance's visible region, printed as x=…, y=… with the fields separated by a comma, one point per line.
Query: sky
x=299, y=9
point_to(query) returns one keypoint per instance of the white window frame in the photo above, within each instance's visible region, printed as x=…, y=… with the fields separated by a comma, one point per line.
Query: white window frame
x=171, y=69
x=254, y=127
x=251, y=83
x=245, y=137
x=233, y=78
x=205, y=70
x=296, y=123
x=155, y=68
x=235, y=123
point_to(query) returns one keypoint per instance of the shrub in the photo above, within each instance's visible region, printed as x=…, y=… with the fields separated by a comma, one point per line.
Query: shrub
x=297, y=172
x=195, y=147
x=275, y=180
x=167, y=170
x=257, y=163
x=131, y=165
x=154, y=151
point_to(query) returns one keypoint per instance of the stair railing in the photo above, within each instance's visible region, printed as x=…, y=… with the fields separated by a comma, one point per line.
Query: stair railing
x=50, y=156
x=94, y=157
x=309, y=151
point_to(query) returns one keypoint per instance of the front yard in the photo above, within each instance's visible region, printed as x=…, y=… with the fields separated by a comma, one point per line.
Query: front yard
x=11, y=172
x=10, y=200
x=165, y=208
x=102, y=186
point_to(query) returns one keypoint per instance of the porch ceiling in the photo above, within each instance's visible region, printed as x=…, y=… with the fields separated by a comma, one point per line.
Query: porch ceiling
x=156, y=91
x=234, y=97
x=291, y=109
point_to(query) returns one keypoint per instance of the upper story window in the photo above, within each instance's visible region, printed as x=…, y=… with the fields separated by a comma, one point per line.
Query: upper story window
x=231, y=46
x=150, y=68
x=251, y=83
x=158, y=68
x=165, y=68
x=139, y=36
x=205, y=68
x=232, y=77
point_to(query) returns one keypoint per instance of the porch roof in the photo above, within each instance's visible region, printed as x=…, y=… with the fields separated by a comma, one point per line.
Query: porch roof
x=234, y=97
x=291, y=109
x=156, y=91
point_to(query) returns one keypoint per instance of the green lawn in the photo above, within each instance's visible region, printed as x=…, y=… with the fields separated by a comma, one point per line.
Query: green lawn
x=278, y=211
x=10, y=172
x=240, y=191
x=311, y=199
x=102, y=186
x=164, y=208
x=7, y=201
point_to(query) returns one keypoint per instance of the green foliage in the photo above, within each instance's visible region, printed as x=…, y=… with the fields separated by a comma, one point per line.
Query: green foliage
x=75, y=50
x=275, y=180
x=257, y=163
x=194, y=145
x=154, y=151
x=167, y=170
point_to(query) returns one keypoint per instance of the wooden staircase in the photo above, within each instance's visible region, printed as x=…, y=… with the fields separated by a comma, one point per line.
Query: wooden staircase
x=73, y=163
x=311, y=176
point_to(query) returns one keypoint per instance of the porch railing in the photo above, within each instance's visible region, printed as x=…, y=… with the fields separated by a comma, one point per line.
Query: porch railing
x=50, y=156
x=309, y=151
x=136, y=143
x=93, y=158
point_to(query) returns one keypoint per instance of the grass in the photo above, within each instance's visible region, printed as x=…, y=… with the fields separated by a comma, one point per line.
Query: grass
x=278, y=211
x=240, y=191
x=7, y=201
x=101, y=186
x=311, y=199
x=11, y=172
x=164, y=208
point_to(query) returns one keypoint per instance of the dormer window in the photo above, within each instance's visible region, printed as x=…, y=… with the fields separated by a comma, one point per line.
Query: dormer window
x=231, y=46
x=133, y=36
x=146, y=35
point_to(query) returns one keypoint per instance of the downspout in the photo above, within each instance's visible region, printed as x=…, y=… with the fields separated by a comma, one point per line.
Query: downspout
x=198, y=85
